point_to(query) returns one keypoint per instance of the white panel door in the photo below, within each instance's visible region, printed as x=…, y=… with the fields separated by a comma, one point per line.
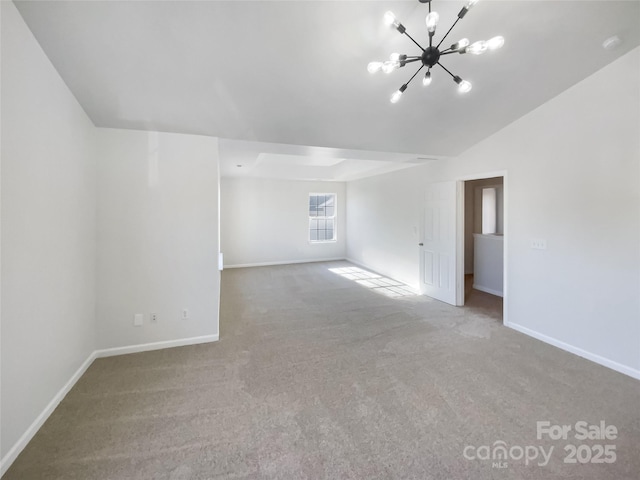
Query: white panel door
x=438, y=246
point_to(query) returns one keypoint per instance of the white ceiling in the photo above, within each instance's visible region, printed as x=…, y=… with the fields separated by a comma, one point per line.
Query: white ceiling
x=276, y=78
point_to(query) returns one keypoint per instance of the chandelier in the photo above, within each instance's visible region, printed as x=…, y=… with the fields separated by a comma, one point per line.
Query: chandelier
x=431, y=55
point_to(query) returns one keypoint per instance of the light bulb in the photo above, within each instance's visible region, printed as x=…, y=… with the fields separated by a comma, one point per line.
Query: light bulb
x=388, y=67
x=432, y=21
x=477, y=48
x=466, y=8
x=396, y=96
x=427, y=79
x=373, y=67
x=389, y=18
x=464, y=86
x=398, y=58
x=495, y=43
x=398, y=93
x=461, y=44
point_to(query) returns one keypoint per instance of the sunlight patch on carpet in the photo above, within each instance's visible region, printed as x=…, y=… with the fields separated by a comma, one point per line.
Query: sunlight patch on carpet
x=379, y=284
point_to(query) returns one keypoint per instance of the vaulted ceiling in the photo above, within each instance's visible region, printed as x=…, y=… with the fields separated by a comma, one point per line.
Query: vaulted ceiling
x=292, y=74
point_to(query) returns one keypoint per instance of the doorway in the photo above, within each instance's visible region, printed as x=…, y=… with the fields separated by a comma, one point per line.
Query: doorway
x=482, y=244
x=442, y=246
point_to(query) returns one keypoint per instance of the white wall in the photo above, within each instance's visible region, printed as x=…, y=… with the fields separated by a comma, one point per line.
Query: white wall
x=48, y=231
x=158, y=236
x=488, y=268
x=266, y=221
x=384, y=223
x=573, y=178
x=80, y=256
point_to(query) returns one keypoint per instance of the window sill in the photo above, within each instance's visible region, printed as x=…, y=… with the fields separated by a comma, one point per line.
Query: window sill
x=320, y=242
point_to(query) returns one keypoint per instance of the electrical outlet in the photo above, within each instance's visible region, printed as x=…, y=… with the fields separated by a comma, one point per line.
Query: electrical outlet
x=138, y=320
x=185, y=314
x=539, y=243
x=153, y=317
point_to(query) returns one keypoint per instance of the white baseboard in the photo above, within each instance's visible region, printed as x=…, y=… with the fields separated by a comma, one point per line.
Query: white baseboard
x=26, y=437
x=146, y=347
x=487, y=290
x=287, y=262
x=618, y=367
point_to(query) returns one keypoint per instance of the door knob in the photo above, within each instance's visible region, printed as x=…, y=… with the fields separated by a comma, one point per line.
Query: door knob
x=421, y=244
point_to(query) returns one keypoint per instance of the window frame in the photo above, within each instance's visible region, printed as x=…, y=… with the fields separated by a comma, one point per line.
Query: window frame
x=323, y=217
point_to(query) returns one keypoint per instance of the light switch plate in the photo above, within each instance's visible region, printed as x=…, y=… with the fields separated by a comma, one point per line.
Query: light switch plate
x=138, y=319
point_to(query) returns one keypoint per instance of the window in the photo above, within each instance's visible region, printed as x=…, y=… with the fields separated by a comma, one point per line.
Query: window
x=322, y=217
x=489, y=210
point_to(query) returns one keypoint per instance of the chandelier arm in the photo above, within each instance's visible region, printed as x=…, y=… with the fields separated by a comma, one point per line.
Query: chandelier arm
x=446, y=70
x=448, y=31
x=410, y=60
x=419, y=46
x=448, y=52
x=414, y=75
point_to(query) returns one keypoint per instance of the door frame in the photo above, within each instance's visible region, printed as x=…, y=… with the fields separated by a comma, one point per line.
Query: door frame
x=460, y=236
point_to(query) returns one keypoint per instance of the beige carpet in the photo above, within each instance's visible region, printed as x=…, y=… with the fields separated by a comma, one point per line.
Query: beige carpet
x=317, y=376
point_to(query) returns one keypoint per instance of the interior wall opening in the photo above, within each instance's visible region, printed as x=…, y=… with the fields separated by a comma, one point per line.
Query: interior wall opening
x=484, y=245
